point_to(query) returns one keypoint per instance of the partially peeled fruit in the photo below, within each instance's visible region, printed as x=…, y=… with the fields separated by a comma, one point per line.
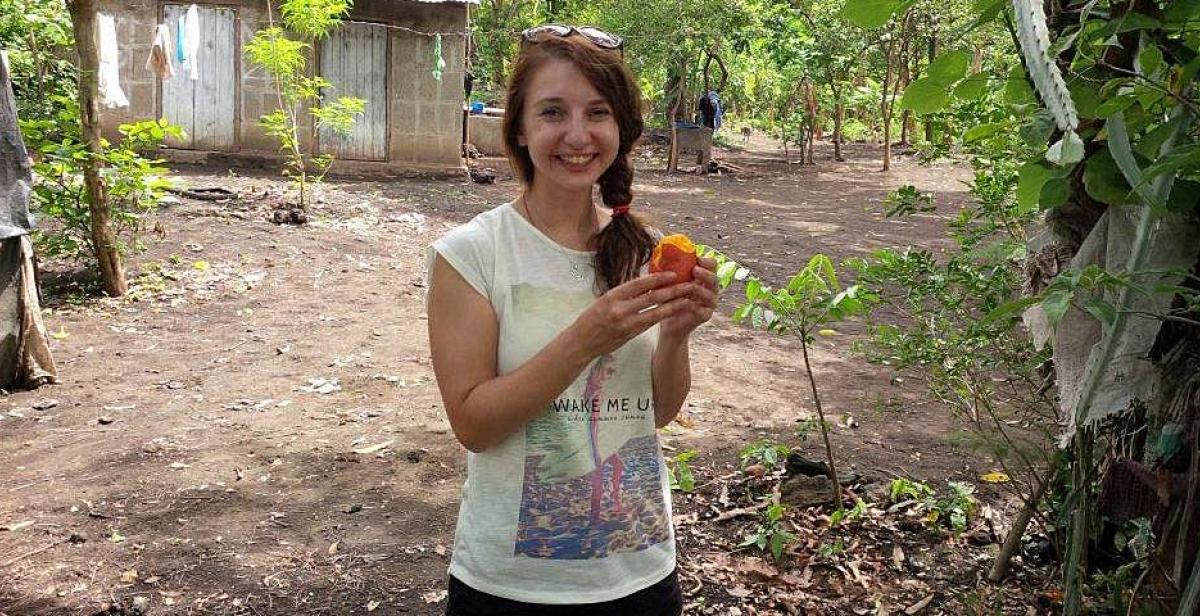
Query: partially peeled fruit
x=675, y=253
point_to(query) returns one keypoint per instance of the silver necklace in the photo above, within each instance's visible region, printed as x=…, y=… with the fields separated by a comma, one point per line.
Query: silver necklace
x=578, y=269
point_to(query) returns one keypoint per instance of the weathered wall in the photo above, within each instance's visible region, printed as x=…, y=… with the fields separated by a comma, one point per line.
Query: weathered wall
x=486, y=134
x=424, y=114
x=136, y=20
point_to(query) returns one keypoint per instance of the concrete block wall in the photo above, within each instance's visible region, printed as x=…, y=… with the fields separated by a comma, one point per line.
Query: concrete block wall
x=486, y=133
x=424, y=114
x=135, y=20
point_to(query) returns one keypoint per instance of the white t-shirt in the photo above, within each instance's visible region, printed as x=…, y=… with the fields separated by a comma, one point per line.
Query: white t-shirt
x=537, y=522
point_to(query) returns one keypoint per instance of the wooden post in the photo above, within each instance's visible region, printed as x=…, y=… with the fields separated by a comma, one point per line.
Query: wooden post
x=104, y=242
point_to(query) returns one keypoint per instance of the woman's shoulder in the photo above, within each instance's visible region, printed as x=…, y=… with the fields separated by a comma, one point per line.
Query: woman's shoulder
x=481, y=228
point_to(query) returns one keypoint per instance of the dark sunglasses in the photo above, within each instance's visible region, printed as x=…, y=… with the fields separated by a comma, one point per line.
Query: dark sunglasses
x=598, y=37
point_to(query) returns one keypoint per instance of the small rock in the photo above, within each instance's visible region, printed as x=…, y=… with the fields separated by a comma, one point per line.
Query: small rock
x=803, y=491
x=353, y=508
x=47, y=403
x=140, y=605
x=77, y=538
x=416, y=455
x=104, y=420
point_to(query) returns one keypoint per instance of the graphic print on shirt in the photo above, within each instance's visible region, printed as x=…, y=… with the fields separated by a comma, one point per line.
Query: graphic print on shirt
x=593, y=476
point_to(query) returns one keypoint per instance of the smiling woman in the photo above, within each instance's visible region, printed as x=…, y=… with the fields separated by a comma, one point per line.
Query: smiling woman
x=576, y=355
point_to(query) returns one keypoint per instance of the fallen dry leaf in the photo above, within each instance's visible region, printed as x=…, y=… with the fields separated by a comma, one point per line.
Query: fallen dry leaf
x=435, y=596
x=918, y=606
x=366, y=451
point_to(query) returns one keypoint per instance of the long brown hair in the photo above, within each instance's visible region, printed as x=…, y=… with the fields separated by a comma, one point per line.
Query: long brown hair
x=624, y=245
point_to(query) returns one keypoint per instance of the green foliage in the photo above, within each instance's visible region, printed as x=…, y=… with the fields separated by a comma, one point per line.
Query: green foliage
x=955, y=507
x=811, y=298
x=829, y=550
x=872, y=14
x=314, y=19
x=135, y=184
x=959, y=505
x=283, y=54
x=857, y=512
x=679, y=472
x=906, y=489
x=38, y=37
x=770, y=455
x=769, y=535
x=907, y=200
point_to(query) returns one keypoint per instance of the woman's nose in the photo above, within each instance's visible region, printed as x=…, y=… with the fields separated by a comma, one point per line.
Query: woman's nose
x=577, y=131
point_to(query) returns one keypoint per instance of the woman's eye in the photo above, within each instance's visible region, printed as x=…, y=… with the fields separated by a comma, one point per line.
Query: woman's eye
x=550, y=112
x=600, y=113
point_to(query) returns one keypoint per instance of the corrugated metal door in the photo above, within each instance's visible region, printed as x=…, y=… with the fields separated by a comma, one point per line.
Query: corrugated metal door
x=205, y=107
x=354, y=59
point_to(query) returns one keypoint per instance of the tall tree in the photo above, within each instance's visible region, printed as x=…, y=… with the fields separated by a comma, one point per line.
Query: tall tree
x=108, y=257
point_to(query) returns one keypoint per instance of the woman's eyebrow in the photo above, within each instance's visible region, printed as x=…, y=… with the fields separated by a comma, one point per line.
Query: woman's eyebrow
x=557, y=100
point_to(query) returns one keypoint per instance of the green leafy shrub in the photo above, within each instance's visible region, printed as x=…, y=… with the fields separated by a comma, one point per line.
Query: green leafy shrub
x=136, y=184
x=679, y=472
x=770, y=455
x=769, y=535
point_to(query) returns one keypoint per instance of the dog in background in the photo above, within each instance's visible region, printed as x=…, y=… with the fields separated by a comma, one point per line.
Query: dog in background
x=745, y=134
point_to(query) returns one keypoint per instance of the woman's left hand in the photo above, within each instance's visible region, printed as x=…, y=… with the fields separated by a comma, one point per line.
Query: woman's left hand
x=699, y=306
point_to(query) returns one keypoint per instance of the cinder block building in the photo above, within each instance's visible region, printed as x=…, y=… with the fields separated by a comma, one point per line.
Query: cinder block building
x=384, y=53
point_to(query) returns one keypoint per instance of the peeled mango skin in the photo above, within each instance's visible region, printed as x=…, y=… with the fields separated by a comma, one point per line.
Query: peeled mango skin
x=675, y=253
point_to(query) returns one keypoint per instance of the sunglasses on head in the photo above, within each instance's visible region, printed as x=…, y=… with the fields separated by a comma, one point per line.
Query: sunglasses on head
x=598, y=37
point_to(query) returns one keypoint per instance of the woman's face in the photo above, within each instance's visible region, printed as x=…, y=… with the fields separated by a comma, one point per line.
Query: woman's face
x=568, y=127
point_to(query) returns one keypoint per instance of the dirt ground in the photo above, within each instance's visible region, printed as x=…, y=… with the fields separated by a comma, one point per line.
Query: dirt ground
x=197, y=455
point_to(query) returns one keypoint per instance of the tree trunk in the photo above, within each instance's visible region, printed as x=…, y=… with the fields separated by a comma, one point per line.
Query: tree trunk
x=1013, y=540
x=104, y=242
x=673, y=153
x=932, y=53
x=885, y=107
x=839, y=110
x=812, y=381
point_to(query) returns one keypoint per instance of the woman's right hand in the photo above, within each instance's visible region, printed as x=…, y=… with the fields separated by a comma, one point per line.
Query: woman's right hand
x=625, y=311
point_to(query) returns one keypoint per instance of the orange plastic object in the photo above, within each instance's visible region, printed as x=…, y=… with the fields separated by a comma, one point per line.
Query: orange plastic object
x=675, y=253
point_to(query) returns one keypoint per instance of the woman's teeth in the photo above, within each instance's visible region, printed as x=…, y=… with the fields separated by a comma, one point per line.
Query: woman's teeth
x=578, y=160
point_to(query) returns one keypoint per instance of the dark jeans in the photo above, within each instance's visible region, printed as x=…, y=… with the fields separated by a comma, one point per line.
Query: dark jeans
x=662, y=599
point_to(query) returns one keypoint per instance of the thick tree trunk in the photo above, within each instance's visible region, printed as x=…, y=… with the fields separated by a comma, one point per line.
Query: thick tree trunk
x=104, y=242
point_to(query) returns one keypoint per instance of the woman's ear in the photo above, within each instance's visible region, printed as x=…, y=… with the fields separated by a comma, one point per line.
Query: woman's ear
x=521, y=141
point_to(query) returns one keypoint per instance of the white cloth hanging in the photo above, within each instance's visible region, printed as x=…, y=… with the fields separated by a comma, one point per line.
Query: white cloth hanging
x=109, y=75
x=161, y=51
x=191, y=37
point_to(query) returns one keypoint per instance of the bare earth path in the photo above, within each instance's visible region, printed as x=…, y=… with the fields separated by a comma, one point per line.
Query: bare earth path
x=199, y=450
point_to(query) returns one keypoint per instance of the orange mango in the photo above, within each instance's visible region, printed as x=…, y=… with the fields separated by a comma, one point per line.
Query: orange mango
x=675, y=253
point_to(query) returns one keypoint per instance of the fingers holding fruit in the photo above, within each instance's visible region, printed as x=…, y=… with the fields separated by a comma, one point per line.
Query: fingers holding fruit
x=628, y=310
x=677, y=253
